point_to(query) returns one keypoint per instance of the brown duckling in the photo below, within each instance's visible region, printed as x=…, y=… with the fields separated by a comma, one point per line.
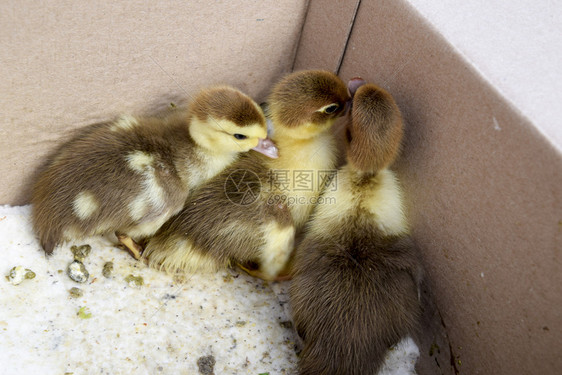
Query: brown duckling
x=251, y=212
x=129, y=176
x=354, y=291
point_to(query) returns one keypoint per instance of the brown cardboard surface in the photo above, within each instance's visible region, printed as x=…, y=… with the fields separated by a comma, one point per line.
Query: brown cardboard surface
x=484, y=198
x=70, y=63
x=325, y=34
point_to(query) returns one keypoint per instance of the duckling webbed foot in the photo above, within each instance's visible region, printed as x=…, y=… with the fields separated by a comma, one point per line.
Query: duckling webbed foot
x=130, y=245
x=252, y=270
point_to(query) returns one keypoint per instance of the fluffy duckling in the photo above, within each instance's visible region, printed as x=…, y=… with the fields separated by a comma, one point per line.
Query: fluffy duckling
x=131, y=175
x=354, y=291
x=251, y=214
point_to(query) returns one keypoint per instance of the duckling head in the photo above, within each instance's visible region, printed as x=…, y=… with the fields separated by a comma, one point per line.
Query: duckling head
x=224, y=120
x=375, y=131
x=307, y=103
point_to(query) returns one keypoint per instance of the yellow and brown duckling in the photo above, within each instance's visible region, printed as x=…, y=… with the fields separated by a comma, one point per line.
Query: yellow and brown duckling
x=251, y=212
x=129, y=176
x=354, y=291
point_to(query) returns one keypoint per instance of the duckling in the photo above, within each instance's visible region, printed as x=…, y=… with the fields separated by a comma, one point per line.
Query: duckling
x=303, y=108
x=251, y=215
x=354, y=288
x=129, y=176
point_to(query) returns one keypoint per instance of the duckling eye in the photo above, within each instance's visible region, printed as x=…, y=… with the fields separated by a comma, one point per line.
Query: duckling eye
x=331, y=108
x=240, y=136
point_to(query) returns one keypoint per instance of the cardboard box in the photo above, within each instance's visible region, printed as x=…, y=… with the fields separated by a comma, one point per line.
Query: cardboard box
x=482, y=182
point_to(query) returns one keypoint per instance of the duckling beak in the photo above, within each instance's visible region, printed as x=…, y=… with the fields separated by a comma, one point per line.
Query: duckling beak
x=267, y=147
x=354, y=84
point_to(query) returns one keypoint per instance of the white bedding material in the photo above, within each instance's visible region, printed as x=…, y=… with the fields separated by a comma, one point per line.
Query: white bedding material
x=162, y=327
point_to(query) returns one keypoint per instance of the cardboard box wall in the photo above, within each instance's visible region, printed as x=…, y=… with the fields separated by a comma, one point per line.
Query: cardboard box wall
x=482, y=184
x=72, y=63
